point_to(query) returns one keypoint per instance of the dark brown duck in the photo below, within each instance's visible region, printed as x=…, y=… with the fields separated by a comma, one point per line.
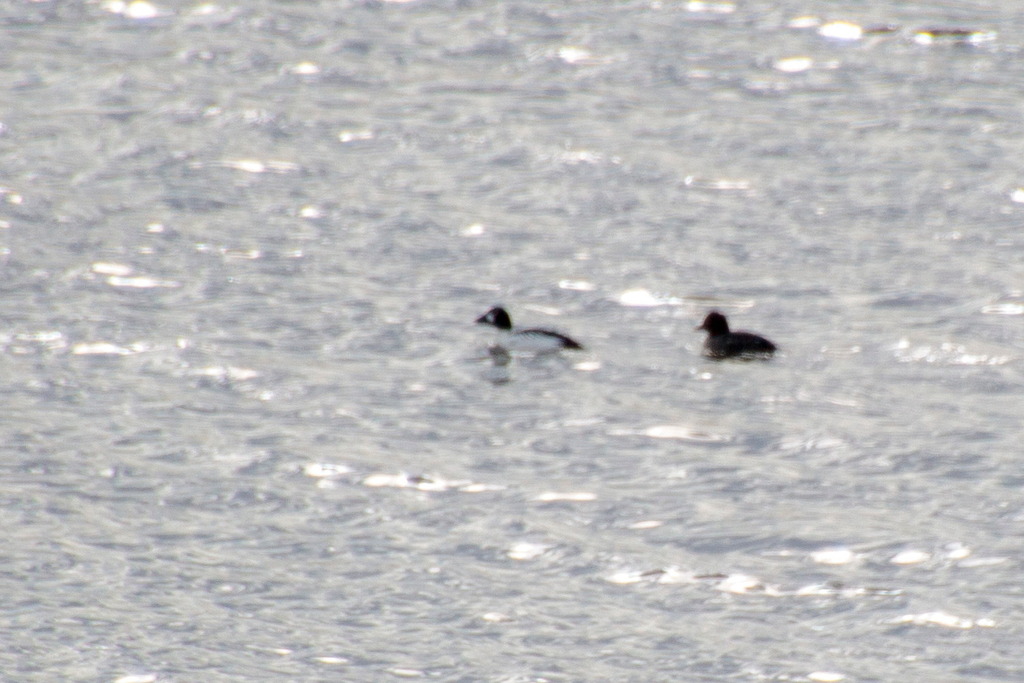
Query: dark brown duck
x=723, y=343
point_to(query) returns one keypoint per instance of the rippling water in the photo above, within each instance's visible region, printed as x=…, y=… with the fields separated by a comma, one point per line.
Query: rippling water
x=251, y=432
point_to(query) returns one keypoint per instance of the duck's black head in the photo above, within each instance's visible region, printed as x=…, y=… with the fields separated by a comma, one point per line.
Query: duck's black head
x=498, y=317
x=715, y=324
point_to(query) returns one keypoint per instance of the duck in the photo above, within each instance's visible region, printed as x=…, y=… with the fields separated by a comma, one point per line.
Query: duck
x=530, y=339
x=723, y=343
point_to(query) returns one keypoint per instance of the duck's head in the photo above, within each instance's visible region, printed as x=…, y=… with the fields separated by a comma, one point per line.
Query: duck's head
x=498, y=317
x=715, y=324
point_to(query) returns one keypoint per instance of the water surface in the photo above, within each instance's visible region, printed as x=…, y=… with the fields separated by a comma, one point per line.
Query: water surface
x=251, y=432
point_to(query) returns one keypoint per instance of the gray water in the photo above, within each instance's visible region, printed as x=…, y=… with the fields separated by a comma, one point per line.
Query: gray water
x=251, y=433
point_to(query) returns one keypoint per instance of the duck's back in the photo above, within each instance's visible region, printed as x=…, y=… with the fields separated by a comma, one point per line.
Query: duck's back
x=540, y=339
x=732, y=344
